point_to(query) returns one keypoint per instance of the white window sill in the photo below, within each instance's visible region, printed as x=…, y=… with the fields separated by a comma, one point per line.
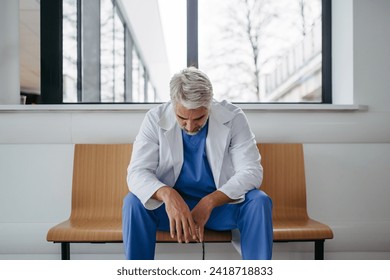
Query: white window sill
x=145, y=107
x=303, y=107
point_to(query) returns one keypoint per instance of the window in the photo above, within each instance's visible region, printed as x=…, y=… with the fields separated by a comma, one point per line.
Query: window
x=70, y=51
x=99, y=54
x=112, y=53
x=263, y=51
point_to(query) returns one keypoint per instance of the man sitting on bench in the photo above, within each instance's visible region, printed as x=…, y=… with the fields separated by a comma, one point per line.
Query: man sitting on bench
x=195, y=165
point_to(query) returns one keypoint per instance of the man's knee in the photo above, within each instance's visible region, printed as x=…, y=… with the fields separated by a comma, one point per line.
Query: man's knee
x=258, y=197
x=130, y=201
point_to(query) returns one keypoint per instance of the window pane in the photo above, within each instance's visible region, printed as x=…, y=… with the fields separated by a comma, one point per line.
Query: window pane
x=106, y=65
x=151, y=93
x=141, y=81
x=107, y=51
x=112, y=54
x=137, y=96
x=173, y=15
x=262, y=50
x=119, y=59
x=70, y=50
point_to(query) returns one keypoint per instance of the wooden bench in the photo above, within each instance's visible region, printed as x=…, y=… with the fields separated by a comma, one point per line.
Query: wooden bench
x=99, y=186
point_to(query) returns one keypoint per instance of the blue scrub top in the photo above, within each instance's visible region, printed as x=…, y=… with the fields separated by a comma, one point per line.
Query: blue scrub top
x=196, y=179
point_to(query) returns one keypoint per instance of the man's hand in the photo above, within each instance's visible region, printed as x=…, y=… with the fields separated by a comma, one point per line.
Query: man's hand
x=181, y=223
x=201, y=212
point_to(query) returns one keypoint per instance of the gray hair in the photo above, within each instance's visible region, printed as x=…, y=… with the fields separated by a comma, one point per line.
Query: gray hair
x=191, y=88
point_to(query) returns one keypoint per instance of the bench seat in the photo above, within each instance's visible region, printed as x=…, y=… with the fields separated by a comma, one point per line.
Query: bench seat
x=99, y=186
x=300, y=230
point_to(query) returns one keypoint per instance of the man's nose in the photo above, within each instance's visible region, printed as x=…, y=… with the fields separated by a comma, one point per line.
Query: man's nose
x=190, y=126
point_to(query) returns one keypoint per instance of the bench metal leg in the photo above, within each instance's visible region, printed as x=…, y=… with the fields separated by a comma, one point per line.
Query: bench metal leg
x=65, y=251
x=319, y=249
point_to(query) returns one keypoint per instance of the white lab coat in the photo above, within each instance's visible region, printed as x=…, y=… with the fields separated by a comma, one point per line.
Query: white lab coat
x=231, y=150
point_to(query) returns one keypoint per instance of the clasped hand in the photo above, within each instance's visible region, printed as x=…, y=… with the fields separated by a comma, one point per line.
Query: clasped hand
x=184, y=224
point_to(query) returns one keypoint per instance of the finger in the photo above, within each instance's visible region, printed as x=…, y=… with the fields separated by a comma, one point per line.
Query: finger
x=196, y=232
x=172, y=227
x=186, y=230
x=201, y=233
x=193, y=227
x=179, y=231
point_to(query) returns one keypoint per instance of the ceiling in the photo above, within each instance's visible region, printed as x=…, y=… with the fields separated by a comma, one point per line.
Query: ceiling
x=29, y=28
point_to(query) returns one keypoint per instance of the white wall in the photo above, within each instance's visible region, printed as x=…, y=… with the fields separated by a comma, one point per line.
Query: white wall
x=347, y=156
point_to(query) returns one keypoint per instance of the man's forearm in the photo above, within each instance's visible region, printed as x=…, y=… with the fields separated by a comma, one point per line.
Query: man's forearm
x=217, y=198
x=162, y=194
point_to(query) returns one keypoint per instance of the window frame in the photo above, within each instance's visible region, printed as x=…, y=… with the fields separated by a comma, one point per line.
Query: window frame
x=52, y=53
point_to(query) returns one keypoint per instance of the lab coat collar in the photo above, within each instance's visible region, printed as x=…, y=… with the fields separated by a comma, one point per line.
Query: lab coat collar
x=217, y=138
x=172, y=132
x=168, y=118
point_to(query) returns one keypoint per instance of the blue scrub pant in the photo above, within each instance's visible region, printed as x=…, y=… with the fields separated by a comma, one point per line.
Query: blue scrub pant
x=252, y=217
